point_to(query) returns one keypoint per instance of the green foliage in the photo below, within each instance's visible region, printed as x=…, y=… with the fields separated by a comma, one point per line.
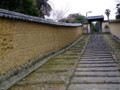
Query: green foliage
x=106, y=26
x=29, y=7
x=78, y=18
x=74, y=18
x=97, y=25
x=117, y=16
x=118, y=11
x=63, y=20
x=93, y=27
x=44, y=7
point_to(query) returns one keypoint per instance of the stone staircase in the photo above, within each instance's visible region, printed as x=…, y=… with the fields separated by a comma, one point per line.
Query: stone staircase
x=96, y=69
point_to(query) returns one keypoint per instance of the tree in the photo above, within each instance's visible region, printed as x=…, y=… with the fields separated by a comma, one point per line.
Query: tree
x=118, y=11
x=93, y=27
x=63, y=20
x=30, y=7
x=76, y=18
x=107, y=12
x=44, y=7
x=22, y=6
x=97, y=26
x=57, y=14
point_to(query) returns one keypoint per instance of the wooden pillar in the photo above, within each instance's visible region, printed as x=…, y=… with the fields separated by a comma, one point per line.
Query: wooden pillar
x=90, y=27
x=100, y=26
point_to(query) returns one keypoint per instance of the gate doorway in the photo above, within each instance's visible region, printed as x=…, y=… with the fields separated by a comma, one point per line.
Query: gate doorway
x=99, y=20
x=95, y=27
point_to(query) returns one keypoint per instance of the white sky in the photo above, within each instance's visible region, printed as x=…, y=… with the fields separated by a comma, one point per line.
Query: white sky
x=97, y=7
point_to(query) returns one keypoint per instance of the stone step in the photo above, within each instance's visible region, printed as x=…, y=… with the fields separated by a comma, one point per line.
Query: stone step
x=95, y=59
x=97, y=73
x=102, y=80
x=74, y=50
x=97, y=69
x=95, y=46
x=94, y=87
x=76, y=47
x=97, y=50
x=101, y=50
x=102, y=71
x=90, y=52
x=33, y=82
x=96, y=65
x=66, y=53
x=66, y=58
x=96, y=53
x=89, y=60
x=99, y=55
x=110, y=61
x=55, y=69
x=71, y=54
x=62, y=56
x=106, y=62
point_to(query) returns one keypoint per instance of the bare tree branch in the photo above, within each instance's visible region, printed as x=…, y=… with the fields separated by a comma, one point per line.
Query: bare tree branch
x=57, y=14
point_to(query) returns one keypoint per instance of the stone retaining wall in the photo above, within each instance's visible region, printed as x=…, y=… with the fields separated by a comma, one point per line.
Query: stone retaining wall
x=23, y=38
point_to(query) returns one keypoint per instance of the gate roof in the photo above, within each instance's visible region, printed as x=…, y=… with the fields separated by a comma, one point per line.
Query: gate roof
x=96, y=18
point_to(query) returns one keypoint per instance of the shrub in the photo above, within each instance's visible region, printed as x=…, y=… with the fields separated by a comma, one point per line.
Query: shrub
x=106, y=26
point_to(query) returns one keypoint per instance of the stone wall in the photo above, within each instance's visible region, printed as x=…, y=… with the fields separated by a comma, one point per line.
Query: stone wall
x=23, y=38
x=105, y=30
x=115, y=28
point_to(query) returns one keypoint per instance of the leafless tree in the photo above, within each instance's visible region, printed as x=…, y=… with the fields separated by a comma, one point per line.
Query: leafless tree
x=57, y=14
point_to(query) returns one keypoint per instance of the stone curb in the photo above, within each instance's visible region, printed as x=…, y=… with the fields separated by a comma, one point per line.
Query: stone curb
x=116, y=38
x=11, y=77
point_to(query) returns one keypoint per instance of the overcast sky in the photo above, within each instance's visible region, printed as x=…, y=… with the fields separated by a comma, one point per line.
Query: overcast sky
x=82, y=6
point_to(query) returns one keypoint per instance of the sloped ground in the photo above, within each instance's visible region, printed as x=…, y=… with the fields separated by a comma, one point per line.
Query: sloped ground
x=115, y=47
x=55, y=73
